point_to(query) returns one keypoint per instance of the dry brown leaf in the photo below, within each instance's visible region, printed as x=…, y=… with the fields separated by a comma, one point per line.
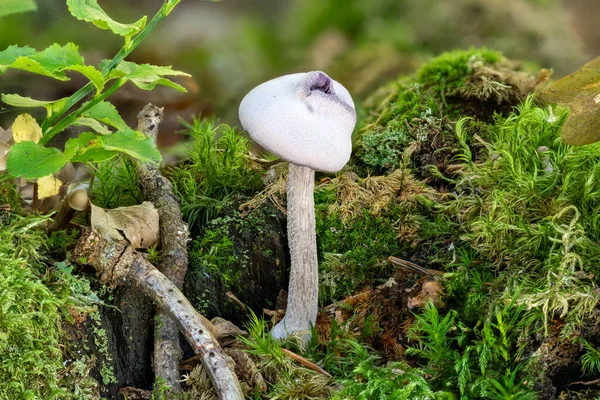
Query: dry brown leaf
x=26, y=128
x=6, y=135
x=136, y=224
x=430, y=291
x=48, y=186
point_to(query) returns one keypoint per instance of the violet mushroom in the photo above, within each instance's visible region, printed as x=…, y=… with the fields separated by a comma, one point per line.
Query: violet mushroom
x=306, y=119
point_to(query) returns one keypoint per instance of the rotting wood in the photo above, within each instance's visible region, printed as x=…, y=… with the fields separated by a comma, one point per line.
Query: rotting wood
x=174, y=236
x=119, y=264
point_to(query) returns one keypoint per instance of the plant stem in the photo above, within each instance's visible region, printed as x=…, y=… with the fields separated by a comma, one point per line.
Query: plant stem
x=68, y=120
x=76, y=97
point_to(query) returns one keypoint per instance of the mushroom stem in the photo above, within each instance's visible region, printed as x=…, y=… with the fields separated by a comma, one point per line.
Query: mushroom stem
x=301, y=313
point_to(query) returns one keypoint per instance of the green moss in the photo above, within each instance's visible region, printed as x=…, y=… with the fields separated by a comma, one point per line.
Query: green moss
x=217, y=168
x=448, y=73
x=414, y=122
x=36, y=301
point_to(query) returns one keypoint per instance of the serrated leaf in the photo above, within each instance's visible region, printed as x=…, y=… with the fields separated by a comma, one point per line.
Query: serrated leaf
x=94, y=155
x=146, y=76
x=94, y=124
x=132, y=143
x=580, y=91
x=106, y=113
x=85, y=140
x=90, y=11
x=11, y=53
x=27, y=102
x=50, y=62
x=26, y=128
x=91, y=73
x=31, y=160
x=87, y=148
x=48, y=186
x=8, y=7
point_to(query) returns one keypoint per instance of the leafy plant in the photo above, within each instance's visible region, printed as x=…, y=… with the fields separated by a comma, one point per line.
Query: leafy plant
x=395, y=380
x=590, y=360
x=30, y=157
x=115, y=183
x=287, y=380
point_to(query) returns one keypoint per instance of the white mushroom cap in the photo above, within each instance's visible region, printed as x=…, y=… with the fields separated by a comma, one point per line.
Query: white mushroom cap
x=306, y=119
x=77, y=196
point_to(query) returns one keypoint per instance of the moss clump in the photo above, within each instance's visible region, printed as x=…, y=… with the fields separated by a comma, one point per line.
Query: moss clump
x=363, y=221
x=448, y=73
x=35, y=302
x=414, y=117
x=506, y=210
x=217, y=168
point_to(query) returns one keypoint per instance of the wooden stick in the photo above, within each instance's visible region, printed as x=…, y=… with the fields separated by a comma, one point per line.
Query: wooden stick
x=308, y=364
x=119, y=264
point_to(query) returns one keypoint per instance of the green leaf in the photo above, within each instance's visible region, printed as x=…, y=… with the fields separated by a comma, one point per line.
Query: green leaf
x=90, y=11
x=50, y=62
x=145, y=76
x=31, y=160
x=8, y=7
x=170, y=5
x=27, y=102
x=132, y=143
x=94, y=154
x=91, y=73
x=93, y=147
x=92, y=123
x=11, y=53
x=106, y=113
x=87, y=147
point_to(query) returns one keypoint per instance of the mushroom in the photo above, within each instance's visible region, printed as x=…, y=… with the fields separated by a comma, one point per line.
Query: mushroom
x=75, y=201
x=306, y=119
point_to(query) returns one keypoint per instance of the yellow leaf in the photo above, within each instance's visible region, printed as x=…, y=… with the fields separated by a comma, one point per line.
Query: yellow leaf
x=48, y=186
x=26, y=128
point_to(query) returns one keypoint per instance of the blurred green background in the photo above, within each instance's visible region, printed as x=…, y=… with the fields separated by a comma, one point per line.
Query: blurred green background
x=232, y=45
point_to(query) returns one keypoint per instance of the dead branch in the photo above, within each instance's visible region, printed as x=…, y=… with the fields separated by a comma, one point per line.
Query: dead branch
x=174, y=237
x=119, y=264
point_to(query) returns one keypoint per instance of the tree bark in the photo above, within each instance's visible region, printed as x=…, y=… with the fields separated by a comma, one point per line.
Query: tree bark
x=174, y=236
x=119, y=264
x=303, y=293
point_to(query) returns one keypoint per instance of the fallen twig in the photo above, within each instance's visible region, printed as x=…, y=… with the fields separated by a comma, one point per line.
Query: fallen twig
x=588, y=383
x=119, y=264
x=308, y=364
x=237, y=301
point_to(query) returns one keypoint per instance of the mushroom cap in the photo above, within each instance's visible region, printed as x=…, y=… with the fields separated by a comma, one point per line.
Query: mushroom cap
x=77, y=196
x=306, y=119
